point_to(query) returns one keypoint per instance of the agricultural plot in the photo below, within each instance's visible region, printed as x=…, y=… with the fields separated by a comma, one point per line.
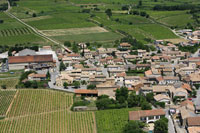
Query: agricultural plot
x=9, y=83
x=39, y=101
x=112, y=121
x=45, y=111
x=13, y=32
x=6, y=97
x=55, y=122
x=74, y=31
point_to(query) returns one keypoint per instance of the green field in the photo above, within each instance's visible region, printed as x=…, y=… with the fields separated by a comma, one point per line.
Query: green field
x=112, y=121
x=13, y=32
x=44, y=111
x=64, y=15
x=6, y=97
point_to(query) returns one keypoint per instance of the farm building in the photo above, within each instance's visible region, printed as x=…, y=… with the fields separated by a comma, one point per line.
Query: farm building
x=22, y=62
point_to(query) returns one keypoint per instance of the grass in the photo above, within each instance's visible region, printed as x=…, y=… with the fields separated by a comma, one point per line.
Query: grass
x=112, y=121
x=46, y=111
x=9, y=74
x=95, y=37
x=9, y=83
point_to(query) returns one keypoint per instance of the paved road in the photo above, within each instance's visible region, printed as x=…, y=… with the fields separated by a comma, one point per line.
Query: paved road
x=170, y=123
x=197, y=99
x=53, y=80
x=196, y=54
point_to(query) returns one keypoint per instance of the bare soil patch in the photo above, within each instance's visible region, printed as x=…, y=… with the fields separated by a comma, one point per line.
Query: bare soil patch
x=73, y=31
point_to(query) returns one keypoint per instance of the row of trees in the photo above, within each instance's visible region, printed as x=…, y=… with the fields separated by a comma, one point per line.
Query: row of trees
x=141, y=13
x=123, y=100
x=173, y=8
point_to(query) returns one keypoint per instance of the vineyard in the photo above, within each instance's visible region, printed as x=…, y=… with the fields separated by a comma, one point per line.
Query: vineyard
x=55, y=122
x=112, y=121
x=39, y=101
x=10, y=84
x=5, y=100
x=15, y=32
x=46, y=111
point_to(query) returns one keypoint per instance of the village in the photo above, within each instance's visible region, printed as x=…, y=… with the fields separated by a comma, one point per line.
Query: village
x=170, y=77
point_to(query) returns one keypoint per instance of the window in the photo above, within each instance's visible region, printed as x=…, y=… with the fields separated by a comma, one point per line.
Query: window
x=157, y=117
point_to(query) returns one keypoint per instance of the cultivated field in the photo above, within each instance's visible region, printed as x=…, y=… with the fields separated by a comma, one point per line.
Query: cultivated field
x=45, y=111
x=13, y=32
x=30, y=102
x=6, y=97
x=112, y=121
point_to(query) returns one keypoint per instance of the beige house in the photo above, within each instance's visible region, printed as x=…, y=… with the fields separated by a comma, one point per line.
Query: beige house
x=62, y=78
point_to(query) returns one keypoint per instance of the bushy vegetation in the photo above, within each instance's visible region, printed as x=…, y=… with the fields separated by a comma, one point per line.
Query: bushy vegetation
x=123, y=100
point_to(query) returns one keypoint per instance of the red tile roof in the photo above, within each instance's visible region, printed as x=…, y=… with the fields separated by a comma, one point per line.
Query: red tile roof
x=136, y=115
x=30, y=59
x=85, y=91
x=193, y=121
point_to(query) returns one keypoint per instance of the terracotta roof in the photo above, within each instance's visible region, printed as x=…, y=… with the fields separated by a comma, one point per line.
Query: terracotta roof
x=73, y=55
x=30, y=59
x=136, y=115
x=125, y=44
x=186, y=86
x=37, y=75
x=85, y=91
x=149, y=72
x=159, y=78
x=155, y=57
x=193, y=129
x=193, y=121
x=123, y=74
x=184, y=103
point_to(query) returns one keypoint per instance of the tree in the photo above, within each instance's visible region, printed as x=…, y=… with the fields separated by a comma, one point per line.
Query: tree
x=35, y=84
x=140, y=3
x=76, y=84
x=145, y=106
x=1, y=21
x=83, y=82
x=48, y=75
x=34, y=15
x=103, y=102
x=3, y=86
x=65, y=84
x=161, y=126
x=134, y=127
x=108, y=12
x=75, y=48
x=91, y=87
x=150, y=97
x=122, y=94
x=62, y=66
x=67, y=43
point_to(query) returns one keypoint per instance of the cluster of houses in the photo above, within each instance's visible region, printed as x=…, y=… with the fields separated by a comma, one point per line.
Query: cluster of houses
x=170, y=74
x=190, y=34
